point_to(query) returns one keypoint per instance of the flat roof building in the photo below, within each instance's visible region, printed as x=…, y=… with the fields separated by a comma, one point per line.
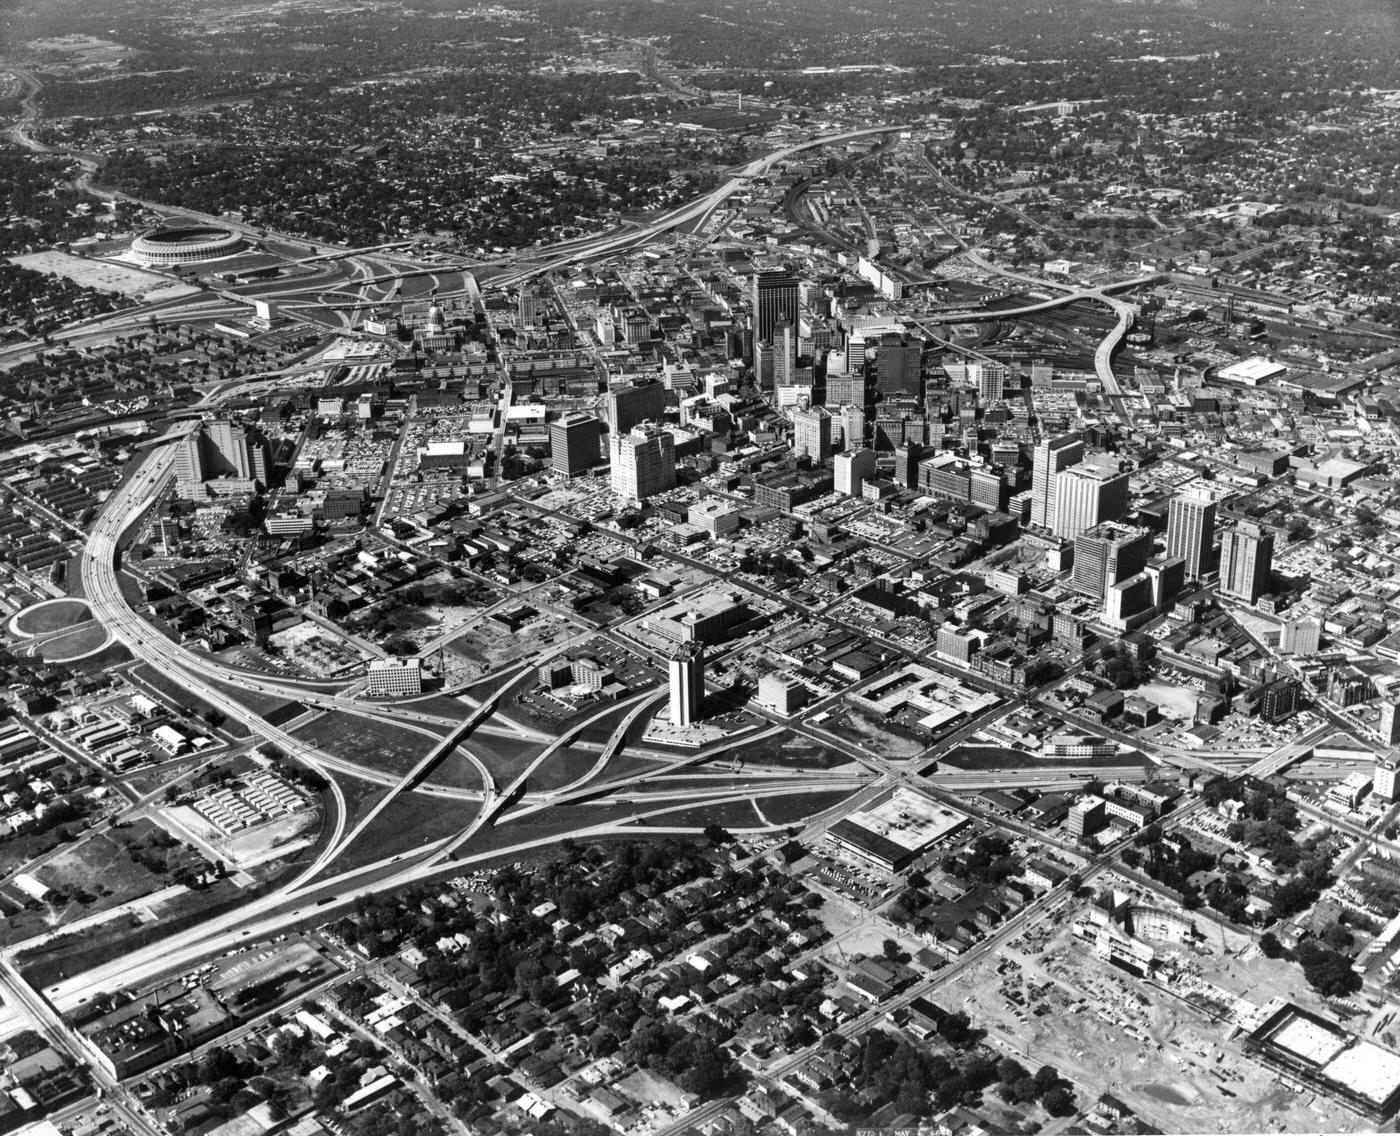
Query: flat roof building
x=394, y=676
x=894, y=833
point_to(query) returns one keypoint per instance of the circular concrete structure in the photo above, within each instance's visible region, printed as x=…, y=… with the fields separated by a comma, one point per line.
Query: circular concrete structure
x=185, y=244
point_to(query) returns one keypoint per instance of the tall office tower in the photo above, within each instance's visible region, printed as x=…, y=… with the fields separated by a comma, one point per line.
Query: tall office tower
x=991, y=382
x=1167, y=575
x=765, y=365
x=190, y=463
x=532, y=307
x=898, y=365
x=855, y=355
x=1389, y=725
x=643, y=462
x=1246, y=555
x=1108, y=554
x=687, y=667
x=1050, y=457
x=1384, y=781
x=906, y=463
x=845, y=390
x=1087, y=495
x=811, y=433
x=260, y=457
x=774, y=295
x=853, y=469
x=1128, y=602
x=784, y=352
x=636, y=325
x=987, y=487
x=1191, y=532
x=640, y=402
x=230, y=440
x=1300, y=636
x=852, y=426
x=574, y=444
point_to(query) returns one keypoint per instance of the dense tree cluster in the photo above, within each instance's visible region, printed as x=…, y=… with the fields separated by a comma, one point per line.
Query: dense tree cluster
x=519, y=952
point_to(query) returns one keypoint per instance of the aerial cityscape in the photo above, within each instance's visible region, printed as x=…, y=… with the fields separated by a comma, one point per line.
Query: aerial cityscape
x=699, y=569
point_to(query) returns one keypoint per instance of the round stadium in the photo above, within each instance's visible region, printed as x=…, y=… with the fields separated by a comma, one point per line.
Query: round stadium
x=185, y=244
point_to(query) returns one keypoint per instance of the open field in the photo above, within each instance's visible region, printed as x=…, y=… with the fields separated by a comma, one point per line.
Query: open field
x=54, y=615
x=456, y=770
x=564, y=766
x=267, y=705
x=406, y=823
x=886, y=739
x=105, y=276
x=78, y=643
x=369, y=741
x=96, y=875
x=797, y=807
x=786, y=749
x=504, y=757
x=70, y=954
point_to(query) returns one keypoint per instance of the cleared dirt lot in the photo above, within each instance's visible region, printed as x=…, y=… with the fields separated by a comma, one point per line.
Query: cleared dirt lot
x=1168, y=1058
x=105, y=276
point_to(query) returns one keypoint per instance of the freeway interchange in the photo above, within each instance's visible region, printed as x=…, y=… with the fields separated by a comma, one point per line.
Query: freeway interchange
x=317, y=891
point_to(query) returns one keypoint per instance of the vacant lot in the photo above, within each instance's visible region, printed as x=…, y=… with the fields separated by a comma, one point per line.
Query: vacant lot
x=887, y=739
x=105, y=276
x=789, y=749
x=103, y=872
x=368, y=741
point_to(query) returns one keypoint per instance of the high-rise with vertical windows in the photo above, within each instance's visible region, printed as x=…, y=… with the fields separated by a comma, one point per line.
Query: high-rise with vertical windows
x=1050, y=457
x=574, y=444
x=686, y=668
x=1086, y=495
x=641, y=402
x=1191, y=532
x=811, y=433
x=1108, y=554
x=1246, y=556
x=853, y=469
x=642, y=462
x=774, y=296
x=898, y=365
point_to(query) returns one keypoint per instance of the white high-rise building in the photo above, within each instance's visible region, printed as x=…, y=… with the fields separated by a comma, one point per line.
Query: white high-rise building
x=1384, y=782
x=394, y=676
x=189, y=457
x=1389, y=725
x=643, y=462
x=853, y=469
x=1086, y=495
x=811, y=433
x=852, y=427
x=1300, y=636
x=1191, y=532
x=990, y=379
x=687, y=673
x=1050, y=457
